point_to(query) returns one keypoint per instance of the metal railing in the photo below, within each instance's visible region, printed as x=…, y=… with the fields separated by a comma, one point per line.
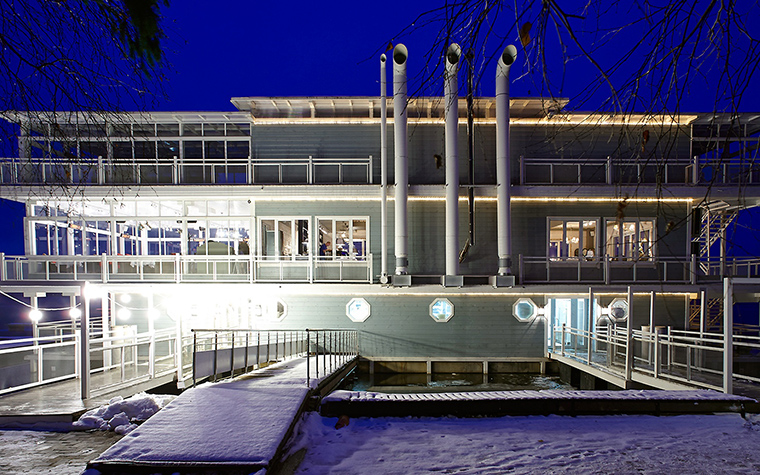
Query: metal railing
x=116, y=361
x=608, y=170
x=687, y=357
x=192, y=268
x=30, y=362
x=609, y=270
x=330, y=348
x=226, y=352
x=219, y=352
x=177, y=171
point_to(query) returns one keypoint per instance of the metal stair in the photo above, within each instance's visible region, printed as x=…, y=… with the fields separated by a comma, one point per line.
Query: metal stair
x=713, y=315
x=713, y=227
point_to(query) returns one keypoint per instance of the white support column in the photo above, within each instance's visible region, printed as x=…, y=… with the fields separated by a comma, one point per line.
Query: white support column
x=383, y=172
x=590, y=341
x=84, y=349
x=728, y=336
x=452, y=279
x=401, y=171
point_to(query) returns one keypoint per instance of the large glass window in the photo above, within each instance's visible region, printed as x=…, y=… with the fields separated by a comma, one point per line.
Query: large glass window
x=284, y=238
x=630, y=239
x=343, y=238
x=572, y=239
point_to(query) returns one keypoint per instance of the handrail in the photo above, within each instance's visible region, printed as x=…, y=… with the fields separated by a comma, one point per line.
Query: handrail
x=678, y=355
x=178, y=171
x=229, y=350
x=184, y=268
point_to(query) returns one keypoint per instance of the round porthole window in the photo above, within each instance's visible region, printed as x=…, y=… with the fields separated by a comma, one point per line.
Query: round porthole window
x=524, y=309
x=441, y=310
x=358, y=310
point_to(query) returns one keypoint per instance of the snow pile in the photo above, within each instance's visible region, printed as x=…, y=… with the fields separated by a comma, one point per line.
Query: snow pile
x=122, y=415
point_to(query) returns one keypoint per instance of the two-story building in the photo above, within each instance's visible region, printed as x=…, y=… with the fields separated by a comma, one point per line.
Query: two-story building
x=295, y=212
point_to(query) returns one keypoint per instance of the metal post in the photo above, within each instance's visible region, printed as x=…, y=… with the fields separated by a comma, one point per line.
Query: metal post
x=232, y=354
x=629, y=361
x=258, y=350
x=246, y=352
x=84, y=349
x=669, y=360
x=316, y=354
x=651, y=322
x=728, y=336
x=308, y=358
x=216, y=347
x=590, y=325
x=656, y=355
x=562, y=341
x=702, y=325
x=195, y=349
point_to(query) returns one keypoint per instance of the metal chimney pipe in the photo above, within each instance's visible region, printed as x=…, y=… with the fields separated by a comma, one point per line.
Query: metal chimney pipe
x=503, y=182
x=451, y=92
x=383, y=172
x=401, y=172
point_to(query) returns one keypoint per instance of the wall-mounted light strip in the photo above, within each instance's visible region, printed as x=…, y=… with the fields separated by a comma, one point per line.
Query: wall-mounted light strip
x=485, y=199
x=557, y=120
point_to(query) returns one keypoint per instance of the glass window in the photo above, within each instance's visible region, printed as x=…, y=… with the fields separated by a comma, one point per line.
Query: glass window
x=213, y=130
x=238, y=129
x=630, y=239
x=237, y=149
x=144, y=130
x=572, y=239
x=286, y=238
x=167, y=130
x=345, y=238
x=214, y=149
x=193, y=130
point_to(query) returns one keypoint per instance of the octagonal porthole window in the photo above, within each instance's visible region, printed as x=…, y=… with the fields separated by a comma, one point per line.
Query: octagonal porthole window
x=524, y=309
x=441, y=310
x=618, y=310
x=358, y=310
x=273, y=310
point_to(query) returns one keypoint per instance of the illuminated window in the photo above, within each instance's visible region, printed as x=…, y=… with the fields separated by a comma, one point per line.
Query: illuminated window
x=284, y=238
x=358, y=310
x=343, y=238
x=630, y=239
x=524, y=309
x=441, y=310
x=271, y=309
x=572, y=239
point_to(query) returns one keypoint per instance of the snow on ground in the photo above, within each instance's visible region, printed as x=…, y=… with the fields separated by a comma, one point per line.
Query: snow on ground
x=122, y=415
x=724, y=443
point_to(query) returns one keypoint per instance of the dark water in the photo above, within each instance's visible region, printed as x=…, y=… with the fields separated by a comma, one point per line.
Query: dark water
x=450, y=382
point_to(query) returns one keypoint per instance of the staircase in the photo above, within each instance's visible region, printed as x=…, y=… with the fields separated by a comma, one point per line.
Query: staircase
x=713, y=227
x=713, y=315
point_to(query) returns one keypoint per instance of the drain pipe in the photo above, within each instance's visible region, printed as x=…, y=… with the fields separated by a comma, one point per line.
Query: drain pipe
x=451, y=91
x=503, y=213
x=401, y=172
x=383, y=173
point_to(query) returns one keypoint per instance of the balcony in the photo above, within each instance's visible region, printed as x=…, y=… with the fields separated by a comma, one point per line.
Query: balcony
x=601, y=171
x=180, y=269
x=250, y=171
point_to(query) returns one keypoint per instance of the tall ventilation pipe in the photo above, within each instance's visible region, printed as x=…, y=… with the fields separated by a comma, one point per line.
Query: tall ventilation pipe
x=383, y=173
x=503, y=213
x=401, y=172
x=451, y=92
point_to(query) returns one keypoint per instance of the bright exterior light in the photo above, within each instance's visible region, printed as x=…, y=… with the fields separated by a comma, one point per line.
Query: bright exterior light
x=358, y=310
x=75, y=313
x=124, y=313
x=125, y=298
x=35, y=315
x=441, y=310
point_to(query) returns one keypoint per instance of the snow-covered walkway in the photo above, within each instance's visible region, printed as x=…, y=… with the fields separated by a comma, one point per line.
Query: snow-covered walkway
x=237, y=423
